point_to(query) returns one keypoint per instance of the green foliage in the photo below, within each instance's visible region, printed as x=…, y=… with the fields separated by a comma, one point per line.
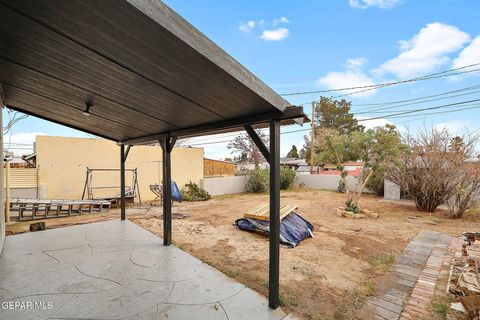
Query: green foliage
x=192, y=192
x=330, y=115
x=257, y=181
x=293, y=153
x=378, y=148
x=351, y=206
x=376, y=182
x=287, y=177
x=335, y=114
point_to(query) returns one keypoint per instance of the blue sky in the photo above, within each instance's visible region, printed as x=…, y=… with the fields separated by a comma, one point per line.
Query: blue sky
x=315, y=45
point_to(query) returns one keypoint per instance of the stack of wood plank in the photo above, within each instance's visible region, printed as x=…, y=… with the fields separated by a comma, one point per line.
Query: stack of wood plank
x=29, y=209
x=262, y=211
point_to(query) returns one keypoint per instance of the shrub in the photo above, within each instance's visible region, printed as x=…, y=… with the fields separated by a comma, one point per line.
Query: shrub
x=257, y=181
x=287, y=177
x=436, y=169
x=376, y=182
x=192, y=192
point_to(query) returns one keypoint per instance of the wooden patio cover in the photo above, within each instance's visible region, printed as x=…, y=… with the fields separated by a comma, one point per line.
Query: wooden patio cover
x=148, y=75
x=145, y=69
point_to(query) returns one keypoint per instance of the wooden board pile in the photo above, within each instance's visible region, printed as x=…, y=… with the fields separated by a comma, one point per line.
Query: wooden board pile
x=262, y=211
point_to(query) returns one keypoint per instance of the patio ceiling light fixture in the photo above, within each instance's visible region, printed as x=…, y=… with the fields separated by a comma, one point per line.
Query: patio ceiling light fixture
x=88, y=105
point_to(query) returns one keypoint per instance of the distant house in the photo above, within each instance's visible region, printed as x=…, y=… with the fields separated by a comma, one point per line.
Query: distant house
x=305, y=169
x=244, y=167
x=354, y=168
x=292, y=163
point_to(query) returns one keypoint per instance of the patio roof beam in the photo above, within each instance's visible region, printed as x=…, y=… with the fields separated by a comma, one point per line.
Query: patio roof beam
x=295, y=114
x=258, y=142
x=125, y=156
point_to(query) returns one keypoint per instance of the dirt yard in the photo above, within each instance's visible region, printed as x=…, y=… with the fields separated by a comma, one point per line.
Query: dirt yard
x=327, y=277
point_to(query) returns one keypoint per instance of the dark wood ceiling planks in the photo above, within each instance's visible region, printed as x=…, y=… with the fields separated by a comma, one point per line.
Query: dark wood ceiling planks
x=145, y=69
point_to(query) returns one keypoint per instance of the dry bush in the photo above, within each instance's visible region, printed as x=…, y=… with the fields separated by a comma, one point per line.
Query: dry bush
x=436, y=168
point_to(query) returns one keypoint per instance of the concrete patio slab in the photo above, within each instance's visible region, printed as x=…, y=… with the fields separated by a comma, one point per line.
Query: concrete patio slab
x=116, y=270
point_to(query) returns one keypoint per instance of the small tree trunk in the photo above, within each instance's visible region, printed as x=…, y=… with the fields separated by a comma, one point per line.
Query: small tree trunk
x=359, y=194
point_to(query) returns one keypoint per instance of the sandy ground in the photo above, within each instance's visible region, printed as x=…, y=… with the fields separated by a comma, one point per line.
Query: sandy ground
x=317, y=277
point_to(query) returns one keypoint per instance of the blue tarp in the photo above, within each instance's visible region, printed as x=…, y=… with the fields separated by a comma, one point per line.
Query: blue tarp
x=176, y=195
x=293, y=228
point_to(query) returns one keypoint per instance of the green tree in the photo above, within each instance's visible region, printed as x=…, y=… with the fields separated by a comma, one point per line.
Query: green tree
x=293, y=153
x=330, y=115
x=377, y=148
x=335, y=114
x=302, y=153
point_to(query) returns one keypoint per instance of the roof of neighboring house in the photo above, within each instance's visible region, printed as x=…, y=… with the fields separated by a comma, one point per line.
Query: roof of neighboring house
x=329, y=166
x=293, y=161
x=306, y=168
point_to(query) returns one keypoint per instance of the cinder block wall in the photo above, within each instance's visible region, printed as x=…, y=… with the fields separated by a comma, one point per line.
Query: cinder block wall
x=62, y=164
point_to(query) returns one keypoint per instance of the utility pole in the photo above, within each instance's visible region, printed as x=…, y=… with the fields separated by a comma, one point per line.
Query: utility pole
x=312, y=137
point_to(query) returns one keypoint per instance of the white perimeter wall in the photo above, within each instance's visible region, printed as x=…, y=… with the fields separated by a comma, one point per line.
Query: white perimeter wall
x=324, y=182
x=231, y=185
x=224, y=185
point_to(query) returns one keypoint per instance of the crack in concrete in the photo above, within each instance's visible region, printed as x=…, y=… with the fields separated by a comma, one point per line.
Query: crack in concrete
x=163, y=281
x=100, y=278
x=204, y=303
x=225, y=311
x=137, y=264
x=58, y=261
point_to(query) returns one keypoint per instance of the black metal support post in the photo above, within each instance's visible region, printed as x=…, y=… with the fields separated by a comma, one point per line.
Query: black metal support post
x=274, y=267
x=122, y=182
x=167, y=147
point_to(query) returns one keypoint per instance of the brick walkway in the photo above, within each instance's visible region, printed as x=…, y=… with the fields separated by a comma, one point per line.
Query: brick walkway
x=415, y=274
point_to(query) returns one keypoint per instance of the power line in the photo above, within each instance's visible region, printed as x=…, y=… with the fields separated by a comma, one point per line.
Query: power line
x=446, y=73
x=402, y=114
x=415, y=99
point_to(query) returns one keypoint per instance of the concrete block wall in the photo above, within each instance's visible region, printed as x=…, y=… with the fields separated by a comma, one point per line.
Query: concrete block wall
x=224, y=185
x=324, y=182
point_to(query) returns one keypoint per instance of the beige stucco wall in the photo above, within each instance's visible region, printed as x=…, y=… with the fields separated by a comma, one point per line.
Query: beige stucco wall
x=62, y=164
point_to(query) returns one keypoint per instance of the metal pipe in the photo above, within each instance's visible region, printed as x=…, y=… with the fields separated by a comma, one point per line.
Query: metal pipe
x=122, y=182
x=167, y=190
x=274, y=267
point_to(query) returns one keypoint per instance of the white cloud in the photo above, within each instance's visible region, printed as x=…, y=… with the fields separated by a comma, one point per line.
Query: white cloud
x=364, y=4
x=275, y=34
x=280, y=20
x=469, y=55
x=355, y=63
x=371, y=124
x=454, y=127
x=352, y=77
x=247, y=26
x=426, y=51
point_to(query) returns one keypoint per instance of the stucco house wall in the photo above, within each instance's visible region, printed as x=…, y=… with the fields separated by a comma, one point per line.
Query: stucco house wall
x=62, y=164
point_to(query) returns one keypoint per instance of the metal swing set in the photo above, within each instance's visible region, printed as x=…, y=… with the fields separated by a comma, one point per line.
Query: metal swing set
x=131, y=192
